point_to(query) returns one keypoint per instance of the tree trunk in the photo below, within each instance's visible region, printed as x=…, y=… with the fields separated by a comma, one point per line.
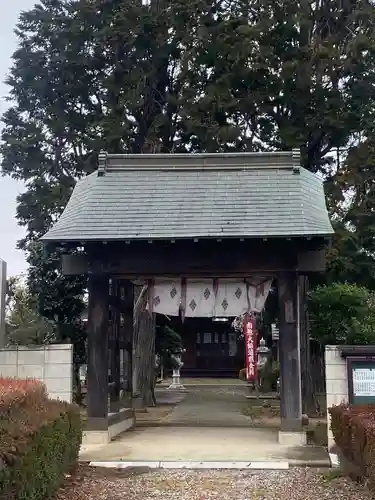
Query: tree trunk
x=143, y=351
x=309, y=406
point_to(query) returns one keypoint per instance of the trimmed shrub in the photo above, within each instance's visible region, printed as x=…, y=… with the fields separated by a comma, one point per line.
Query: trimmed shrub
x=39, y=441
x=20, y=393
x=353, y=428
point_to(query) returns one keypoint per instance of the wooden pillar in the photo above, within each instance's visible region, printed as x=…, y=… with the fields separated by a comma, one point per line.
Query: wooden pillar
x=129, y=368
x=115, y=350
x=290, y=360
x=97, y=348
x=126, y=339
x=308, y=398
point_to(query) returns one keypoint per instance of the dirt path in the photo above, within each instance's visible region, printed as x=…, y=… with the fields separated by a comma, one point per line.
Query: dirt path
x=294, y=484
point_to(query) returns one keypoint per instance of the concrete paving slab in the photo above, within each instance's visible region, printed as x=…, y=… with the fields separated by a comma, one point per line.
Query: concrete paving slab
x=282, y=465
x=197, y=445
x=206, y=425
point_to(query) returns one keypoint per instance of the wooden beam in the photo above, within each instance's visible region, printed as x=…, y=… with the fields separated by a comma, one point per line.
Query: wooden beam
x=312, y=261
x=203, y=258
x=73, y=265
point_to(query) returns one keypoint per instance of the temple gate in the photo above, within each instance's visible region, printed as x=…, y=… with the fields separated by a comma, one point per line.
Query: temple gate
x=203, y=232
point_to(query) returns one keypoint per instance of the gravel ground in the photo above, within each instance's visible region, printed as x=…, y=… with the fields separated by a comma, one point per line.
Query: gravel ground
x=295, y=484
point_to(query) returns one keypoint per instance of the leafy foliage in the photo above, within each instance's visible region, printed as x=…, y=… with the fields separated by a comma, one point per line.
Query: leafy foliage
x=342, y=314
x=60, y=298
x=40, y=440
x=348, y=258
x=354, y=432
x=189, y=76
x=353, y=255
x=18, y=393
x=269, y=375
x=168, y=343
x=357, y=178
x=24, y=324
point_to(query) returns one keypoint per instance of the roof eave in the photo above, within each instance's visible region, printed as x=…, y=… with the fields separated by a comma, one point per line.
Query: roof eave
x=46, y=239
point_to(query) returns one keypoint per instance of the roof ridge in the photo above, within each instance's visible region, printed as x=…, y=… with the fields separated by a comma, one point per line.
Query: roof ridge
x=289, y=160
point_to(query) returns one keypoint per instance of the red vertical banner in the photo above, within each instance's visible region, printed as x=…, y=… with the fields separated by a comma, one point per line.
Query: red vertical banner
x=250, y=336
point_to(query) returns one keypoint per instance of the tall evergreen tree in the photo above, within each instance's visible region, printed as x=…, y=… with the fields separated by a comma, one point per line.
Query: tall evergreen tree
x=191, y=76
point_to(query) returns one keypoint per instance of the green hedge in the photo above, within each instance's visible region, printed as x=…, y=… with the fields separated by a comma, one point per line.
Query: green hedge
x=39, y=445
x=353, y=428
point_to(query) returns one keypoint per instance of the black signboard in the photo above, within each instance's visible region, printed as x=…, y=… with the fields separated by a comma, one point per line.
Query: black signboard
x=361, y=379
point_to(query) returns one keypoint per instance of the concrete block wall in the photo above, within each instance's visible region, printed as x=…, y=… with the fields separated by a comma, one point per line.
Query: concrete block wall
x=336, y=384
x=51, y=364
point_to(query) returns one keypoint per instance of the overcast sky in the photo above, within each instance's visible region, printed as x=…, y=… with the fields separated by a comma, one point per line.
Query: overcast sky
x=10, y=233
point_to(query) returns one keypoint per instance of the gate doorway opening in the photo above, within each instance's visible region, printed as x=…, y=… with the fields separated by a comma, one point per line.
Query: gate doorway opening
x=212, y=348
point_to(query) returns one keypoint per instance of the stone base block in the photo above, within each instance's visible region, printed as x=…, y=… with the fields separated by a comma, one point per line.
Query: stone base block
x=91, y=438
x=122, y=426
x=292, y=438
x=177, y=387
x=102, y=431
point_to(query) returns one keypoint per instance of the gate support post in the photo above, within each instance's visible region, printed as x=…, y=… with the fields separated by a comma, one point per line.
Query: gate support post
x=115, y=351
x=97, y=351
x=126, y=292
x=290, y=362
x=102, y=425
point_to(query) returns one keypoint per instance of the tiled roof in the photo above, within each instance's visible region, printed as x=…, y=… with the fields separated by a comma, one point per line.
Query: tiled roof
x=135, y=197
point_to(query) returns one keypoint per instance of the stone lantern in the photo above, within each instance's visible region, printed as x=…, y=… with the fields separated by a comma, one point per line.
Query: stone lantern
x=176, y=380
x=262, y=358
x=83, y=374
x=263, y=353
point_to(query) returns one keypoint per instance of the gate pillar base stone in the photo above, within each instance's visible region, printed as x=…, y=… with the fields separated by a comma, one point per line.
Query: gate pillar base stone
x=177, y=387
x=296, y=438
x=100, y=431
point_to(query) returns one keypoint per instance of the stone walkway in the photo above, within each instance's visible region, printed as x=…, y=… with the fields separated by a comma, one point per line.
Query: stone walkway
x=211, y=406
x=205, y=381
x=206, y=425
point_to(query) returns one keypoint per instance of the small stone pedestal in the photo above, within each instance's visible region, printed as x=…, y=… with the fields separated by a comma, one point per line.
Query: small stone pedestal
x=292, y=438
x=176, y=377
x=176, y=381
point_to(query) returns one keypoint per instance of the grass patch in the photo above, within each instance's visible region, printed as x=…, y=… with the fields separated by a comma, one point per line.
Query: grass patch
x=266, y=413
x=317, y=433
x=263, y=413
x=261, y=408
x=333, y=474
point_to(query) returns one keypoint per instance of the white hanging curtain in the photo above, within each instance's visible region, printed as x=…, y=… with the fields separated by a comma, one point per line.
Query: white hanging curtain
x=207, y=298
x=165, y=297
x=200, y=299
x=231, y=299
x=258, y=293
